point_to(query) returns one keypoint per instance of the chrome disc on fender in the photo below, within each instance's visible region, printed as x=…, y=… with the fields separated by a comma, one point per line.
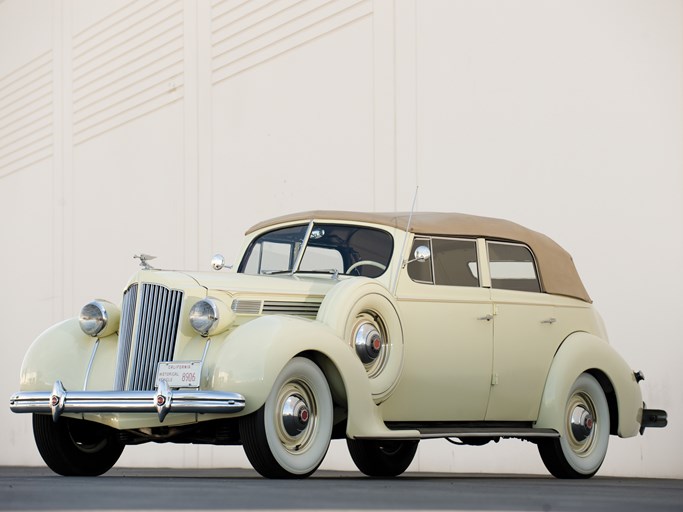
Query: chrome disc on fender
x=371, y=343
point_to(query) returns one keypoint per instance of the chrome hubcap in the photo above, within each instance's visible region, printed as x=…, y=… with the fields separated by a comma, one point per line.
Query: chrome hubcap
x=581, y=420
x=295, y=415
x=297, y=412
x=581, y=423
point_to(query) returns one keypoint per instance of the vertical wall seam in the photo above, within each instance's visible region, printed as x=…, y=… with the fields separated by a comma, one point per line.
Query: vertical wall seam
x=57, y=178
x=190, y=138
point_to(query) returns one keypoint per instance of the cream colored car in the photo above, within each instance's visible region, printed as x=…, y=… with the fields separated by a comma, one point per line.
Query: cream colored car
x=383, y=329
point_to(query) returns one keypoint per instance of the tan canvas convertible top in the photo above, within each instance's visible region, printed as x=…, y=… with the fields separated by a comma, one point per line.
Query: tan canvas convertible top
x=556, y=267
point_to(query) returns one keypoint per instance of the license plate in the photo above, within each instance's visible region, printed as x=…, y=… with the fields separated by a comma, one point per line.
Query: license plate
x=180, y=374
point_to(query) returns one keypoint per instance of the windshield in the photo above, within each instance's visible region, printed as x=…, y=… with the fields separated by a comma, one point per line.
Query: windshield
x=329, y=248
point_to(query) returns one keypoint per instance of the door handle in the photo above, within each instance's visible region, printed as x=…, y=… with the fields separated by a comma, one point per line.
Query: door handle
x=488, y=318
x=549, y=321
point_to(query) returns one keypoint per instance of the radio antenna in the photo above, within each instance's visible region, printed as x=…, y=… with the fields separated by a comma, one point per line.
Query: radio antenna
x=405, y=241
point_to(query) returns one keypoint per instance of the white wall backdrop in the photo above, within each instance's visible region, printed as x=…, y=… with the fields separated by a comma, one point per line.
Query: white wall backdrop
x=170, y=126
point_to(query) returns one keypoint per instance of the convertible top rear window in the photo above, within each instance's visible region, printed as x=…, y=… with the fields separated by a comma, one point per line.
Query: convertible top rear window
x=512, y=267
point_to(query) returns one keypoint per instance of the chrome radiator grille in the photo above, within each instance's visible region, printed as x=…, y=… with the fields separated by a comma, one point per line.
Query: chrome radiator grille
x=158, y=316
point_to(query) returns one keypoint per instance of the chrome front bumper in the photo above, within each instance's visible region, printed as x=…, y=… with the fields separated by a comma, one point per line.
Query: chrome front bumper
x=162, y=401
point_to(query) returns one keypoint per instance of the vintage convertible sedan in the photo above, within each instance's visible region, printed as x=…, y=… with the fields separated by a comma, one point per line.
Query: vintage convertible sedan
x=381, y=328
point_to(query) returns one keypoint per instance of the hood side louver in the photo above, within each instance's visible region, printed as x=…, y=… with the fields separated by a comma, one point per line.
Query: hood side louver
x=246, y=307
x=275, y=307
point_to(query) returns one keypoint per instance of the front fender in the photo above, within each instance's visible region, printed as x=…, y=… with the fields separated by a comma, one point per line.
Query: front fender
x=582, y=352
x=62, y=352
x=251, y=357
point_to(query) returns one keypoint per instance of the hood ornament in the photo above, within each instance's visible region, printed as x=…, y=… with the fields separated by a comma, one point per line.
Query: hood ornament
x=144, y=258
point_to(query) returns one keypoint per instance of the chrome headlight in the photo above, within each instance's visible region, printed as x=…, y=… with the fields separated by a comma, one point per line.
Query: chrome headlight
x=210, y=316
x=99, y=318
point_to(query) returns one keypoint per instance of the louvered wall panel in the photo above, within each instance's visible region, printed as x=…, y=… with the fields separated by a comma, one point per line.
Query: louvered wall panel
x=246, y=34
x=26, y=115
x=127, y=65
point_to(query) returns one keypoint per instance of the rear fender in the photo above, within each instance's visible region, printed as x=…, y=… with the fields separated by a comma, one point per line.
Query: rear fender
x=582, y=352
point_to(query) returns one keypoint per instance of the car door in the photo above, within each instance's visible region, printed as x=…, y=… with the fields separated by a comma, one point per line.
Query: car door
x=448, y=332
x=526, y=333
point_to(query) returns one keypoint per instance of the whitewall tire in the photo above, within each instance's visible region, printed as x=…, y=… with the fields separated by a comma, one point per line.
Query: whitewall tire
x=582, y=445
x=289, y=436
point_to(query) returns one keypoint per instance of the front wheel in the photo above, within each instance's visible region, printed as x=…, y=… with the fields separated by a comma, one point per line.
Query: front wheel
x=73, y=447
x=582, y=447
x=382, y=458
x=288, y=437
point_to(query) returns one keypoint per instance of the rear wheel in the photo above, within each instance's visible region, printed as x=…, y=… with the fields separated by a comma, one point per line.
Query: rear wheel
x=288, y=437
x=73, y=447
x=582, y=447
x=382, y=458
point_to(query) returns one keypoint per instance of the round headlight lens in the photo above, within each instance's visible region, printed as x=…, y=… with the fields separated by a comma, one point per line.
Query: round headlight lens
x=93, y=318
x=204, y=316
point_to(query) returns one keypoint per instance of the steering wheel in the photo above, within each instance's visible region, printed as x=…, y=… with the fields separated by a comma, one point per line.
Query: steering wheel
x=366, y=262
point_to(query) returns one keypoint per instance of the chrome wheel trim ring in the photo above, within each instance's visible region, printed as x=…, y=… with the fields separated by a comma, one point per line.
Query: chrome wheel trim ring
x=296, y=416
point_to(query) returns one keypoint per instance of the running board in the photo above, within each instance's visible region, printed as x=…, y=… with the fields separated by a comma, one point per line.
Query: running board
x=435, y=432
x=468, y=432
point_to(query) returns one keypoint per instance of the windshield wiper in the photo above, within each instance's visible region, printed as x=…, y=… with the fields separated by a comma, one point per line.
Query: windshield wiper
x=333, y=271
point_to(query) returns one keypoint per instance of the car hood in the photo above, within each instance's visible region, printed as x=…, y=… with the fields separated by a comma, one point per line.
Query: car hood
x=240, y=285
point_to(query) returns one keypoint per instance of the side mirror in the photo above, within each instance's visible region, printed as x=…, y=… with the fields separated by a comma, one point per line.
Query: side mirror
x=218, y=262
x=422, y=254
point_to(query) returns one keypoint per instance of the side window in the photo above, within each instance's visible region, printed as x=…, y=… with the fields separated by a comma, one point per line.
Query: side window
x=454, y=261
x=512, y=267
x=420, y=271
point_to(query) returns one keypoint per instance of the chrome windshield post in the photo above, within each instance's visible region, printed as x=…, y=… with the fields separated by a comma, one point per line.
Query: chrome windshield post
x=300, y=255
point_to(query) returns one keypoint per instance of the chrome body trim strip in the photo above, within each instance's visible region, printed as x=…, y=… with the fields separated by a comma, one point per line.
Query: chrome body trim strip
x=92, y=359
x=161, y=401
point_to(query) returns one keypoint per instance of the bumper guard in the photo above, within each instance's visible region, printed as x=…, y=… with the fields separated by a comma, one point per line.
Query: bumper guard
x=652, y=418
x=162, y=401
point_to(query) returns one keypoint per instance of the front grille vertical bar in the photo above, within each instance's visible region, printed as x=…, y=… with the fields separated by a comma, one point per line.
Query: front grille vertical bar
x=141, y=337
x=156, y=339
x=152, y=321
x=152, y=305
x=128, y=307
